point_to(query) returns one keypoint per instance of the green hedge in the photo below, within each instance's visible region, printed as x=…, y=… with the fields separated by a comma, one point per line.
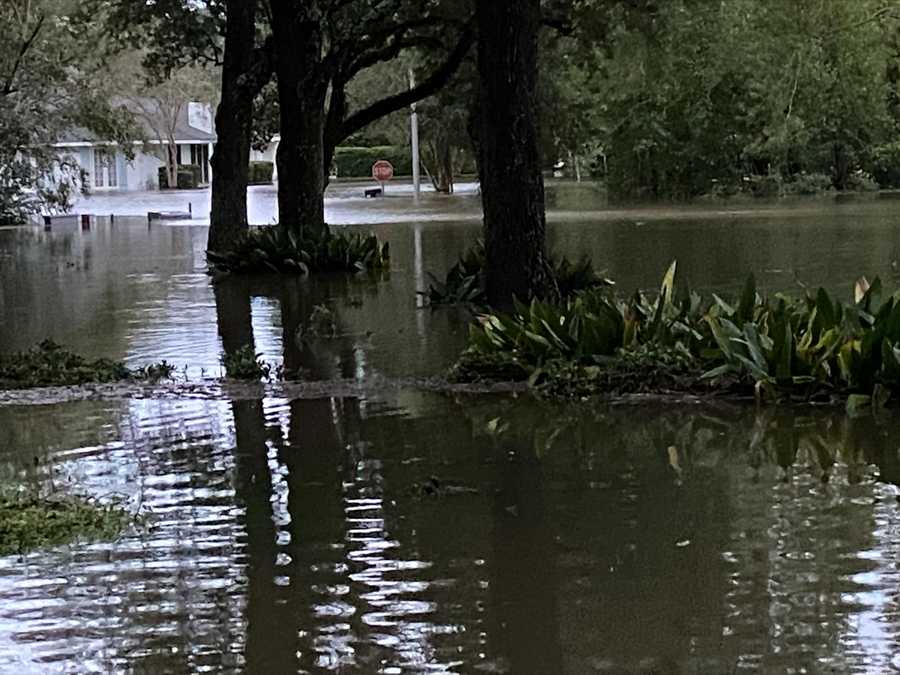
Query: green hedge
x=261, y=173
x=189, y=177
x=886, y=165
x=354, y=162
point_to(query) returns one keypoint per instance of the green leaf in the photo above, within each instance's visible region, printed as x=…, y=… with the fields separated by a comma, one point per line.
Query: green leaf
x=748, y=300
x=718, y=371
x=857, y=405
x=724, y=306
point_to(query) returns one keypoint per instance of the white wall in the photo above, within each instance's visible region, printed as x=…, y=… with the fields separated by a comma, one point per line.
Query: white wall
x=267, y=155
x=143, y=171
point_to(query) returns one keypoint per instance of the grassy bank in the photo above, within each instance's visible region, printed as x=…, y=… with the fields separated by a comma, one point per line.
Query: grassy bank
x=813, y=347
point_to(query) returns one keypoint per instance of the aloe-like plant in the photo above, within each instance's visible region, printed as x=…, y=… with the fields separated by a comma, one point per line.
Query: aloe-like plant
x=810, y=345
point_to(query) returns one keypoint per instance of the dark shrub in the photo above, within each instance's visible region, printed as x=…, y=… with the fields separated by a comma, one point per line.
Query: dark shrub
x=886, y=165
x=808, y=184
x=189, y=177
x=352, y=162
x=261, y=173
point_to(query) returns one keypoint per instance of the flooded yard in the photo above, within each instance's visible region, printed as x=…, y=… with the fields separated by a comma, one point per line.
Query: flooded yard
x=407, y=531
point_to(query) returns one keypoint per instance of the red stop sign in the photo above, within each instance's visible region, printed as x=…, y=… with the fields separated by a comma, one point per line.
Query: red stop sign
x=382, y=171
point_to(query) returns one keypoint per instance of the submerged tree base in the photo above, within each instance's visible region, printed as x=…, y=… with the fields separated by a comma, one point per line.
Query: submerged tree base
x=28, y=523
x=274, y=249
x=49, y=365
x=465, y=282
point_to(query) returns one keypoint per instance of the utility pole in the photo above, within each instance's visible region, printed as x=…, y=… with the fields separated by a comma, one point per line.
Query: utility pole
x=414, y=133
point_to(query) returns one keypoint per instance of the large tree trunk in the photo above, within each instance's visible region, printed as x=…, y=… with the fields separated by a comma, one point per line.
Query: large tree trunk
x=509, y=157
x=234, y=121
x=301, y=179
x=302, y=88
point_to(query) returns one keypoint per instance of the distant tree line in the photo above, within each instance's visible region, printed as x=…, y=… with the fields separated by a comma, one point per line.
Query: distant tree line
x=682, y=98
x=685, y=97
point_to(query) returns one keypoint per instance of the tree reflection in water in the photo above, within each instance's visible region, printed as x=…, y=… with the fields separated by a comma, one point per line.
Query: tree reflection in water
x=701, y=537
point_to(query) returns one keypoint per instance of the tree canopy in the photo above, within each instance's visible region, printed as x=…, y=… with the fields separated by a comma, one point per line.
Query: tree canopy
x=689, y=96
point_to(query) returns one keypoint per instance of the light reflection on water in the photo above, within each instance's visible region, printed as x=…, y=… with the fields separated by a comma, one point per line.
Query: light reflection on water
x=289, y=536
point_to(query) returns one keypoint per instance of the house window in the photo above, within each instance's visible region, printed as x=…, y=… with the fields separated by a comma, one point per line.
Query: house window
x=200, y=157
x=105, y=169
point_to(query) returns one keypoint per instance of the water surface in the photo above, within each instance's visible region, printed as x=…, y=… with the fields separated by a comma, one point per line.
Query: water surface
x=138, y=291
x=281, y=536
x=296, y=536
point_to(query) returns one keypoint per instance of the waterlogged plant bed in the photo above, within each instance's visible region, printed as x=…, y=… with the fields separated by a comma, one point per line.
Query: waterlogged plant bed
x=811, y=348
x=273, y=249
x=50, y=365
x=28, y=522
x=464, y=283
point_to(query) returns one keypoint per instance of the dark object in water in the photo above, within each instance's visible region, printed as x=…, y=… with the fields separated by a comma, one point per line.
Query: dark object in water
x=373, y=192
x=172, y=215
x=437, y=487
x=168, y=215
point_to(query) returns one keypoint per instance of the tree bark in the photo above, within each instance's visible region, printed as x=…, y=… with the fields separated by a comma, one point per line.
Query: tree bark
x=840, y=169
x=512, y=184
x=234, y=121
x=302, y=88
x=171, y=151
x=445, y=165
x=301, y=156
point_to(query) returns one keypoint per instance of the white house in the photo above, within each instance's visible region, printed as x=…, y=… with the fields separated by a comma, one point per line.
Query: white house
x=107, y=167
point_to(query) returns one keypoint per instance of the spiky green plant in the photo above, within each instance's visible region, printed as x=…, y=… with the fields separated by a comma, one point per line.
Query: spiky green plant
x=810, y=345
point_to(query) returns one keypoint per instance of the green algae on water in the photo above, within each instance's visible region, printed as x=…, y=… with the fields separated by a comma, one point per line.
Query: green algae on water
x=28, y=522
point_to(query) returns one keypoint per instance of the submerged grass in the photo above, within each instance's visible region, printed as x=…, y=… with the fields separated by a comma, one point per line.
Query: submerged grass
x=29, y=522
x=49, y=365
x=812, y=347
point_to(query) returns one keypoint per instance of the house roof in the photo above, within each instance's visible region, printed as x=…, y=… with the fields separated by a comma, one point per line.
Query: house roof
x=194, y=125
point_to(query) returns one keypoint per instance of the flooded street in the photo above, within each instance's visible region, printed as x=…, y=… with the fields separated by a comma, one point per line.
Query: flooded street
x=412, y=532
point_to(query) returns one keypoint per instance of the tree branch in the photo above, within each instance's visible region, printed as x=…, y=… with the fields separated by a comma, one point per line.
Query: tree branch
x=438, y=79
x=23, y=50
x=263, y=67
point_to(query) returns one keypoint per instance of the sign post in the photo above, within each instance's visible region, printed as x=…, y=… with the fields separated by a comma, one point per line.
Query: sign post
x=414, y=136
x=382, y=171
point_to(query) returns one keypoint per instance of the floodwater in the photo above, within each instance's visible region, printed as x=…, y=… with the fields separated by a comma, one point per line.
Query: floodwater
x=411, y=532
